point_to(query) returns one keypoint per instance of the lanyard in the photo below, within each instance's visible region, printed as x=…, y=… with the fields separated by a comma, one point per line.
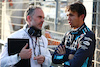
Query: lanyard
x=38, y=40
x=34, y=46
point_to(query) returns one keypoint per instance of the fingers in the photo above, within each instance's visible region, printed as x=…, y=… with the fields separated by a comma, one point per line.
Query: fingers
x=64, y=48
x=58, y=52
x=30, y=54
x=25, y=53
x=61, y=50
x=25, y=46
x=40, y=62
x=37, y=57
x=40, y=59
x=30, y=50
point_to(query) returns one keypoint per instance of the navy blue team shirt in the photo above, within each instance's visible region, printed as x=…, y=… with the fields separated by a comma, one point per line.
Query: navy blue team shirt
x=81, y=43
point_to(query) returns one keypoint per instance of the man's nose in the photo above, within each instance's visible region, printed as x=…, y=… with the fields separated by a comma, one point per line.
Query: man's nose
x=68, y=17
x=42, y=19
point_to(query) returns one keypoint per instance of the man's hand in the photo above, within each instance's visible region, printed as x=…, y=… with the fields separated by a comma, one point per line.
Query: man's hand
x=61, y=50
x=25, y=53
x=40, y=59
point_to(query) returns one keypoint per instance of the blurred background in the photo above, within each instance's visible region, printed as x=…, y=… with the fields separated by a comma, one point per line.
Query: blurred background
x=55, y=25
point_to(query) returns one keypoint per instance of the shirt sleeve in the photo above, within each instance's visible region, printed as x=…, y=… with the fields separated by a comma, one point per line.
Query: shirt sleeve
x=84, y=52
x=60, y=58
x=6, y=60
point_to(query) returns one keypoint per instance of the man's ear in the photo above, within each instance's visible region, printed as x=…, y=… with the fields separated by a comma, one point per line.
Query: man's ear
x=82, y=16
x=28, y=18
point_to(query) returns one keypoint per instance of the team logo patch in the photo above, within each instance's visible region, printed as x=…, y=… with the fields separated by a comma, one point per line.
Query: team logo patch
x=86, y=43
x=82, y=47
x=87, y=38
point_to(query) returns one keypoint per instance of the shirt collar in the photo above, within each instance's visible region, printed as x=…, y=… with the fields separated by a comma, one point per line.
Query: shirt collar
x=75, y=31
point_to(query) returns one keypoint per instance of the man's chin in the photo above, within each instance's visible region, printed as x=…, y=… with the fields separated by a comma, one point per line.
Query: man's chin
x=71, y=26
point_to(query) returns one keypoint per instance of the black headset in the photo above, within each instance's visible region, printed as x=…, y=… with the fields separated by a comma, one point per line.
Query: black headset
x=34, y=32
